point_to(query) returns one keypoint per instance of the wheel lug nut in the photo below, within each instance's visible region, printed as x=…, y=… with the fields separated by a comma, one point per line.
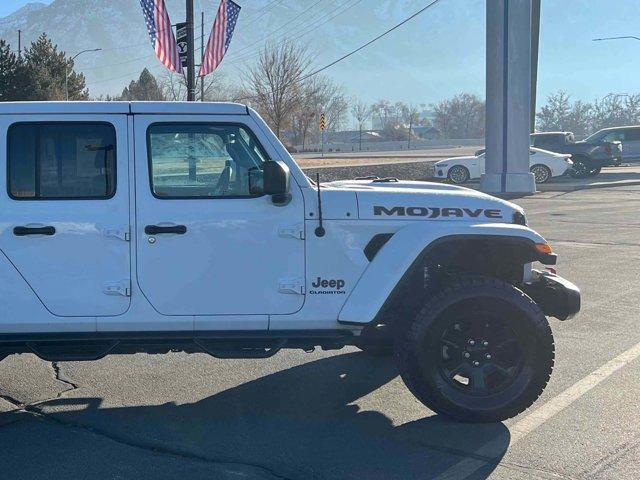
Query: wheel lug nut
x=472, y=342
x=476, y=363
x=488, y=356
x=467, y=354
x=485, y=343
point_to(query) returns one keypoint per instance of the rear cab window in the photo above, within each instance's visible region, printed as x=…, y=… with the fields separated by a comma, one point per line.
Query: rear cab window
x=632, y=134
x=61, y=160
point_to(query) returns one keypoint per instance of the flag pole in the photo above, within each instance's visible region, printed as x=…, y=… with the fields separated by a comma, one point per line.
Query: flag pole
x=191, y=69
x=201, y=54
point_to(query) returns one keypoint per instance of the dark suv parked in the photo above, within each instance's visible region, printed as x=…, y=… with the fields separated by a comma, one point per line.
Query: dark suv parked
x=629, y=137
x=588, y=156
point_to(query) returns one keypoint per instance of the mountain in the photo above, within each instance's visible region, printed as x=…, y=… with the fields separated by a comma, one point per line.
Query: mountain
x=407, y=65
x=20, y=18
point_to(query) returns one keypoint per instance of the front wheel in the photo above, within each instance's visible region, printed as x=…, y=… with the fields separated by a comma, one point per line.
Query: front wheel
x=458, y=174
x=580, y=169
x=594, y=172
x=541, y=173
x=479, y=351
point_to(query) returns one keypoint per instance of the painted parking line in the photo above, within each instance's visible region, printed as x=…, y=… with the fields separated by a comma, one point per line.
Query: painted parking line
x=530, y=422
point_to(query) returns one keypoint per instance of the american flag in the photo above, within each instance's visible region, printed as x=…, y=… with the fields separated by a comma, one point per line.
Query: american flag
x=220, y=37
x=161, y=33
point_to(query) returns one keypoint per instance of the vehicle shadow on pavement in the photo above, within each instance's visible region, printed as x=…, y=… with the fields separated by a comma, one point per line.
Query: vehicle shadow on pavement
x=302, y=423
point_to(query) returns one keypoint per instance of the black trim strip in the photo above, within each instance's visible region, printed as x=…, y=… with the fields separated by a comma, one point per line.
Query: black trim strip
x=375, y=244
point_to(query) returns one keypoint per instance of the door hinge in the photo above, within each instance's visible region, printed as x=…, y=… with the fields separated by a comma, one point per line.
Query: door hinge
x=291, y=285
x=294, y=231
x=117, y=288
x=121, y=233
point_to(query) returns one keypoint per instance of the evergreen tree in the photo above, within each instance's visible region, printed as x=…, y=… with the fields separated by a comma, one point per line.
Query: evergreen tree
x=9, y=66
x=46, y=69
x=145, y=88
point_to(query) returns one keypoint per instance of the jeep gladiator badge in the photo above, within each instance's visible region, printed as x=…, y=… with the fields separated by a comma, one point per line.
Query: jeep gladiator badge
x=335, y=287
x=435, y=212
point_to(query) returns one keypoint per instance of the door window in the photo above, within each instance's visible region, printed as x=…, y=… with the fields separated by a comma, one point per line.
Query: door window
x=203, y=160
x=632, y=134
x=616, y=135
x=61, y=161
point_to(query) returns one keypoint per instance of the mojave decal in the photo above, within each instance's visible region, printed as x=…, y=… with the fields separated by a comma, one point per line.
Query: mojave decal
x=436, y=212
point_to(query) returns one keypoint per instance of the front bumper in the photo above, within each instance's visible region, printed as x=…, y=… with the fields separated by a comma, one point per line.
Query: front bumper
x=440, y=172
x=556, y=296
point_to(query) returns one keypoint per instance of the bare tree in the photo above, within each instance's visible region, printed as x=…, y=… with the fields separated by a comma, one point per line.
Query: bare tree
x=384, y=111
x=306, y=113
x=555, y=114
x=582, y=118
x=318, y=95
x=462, y=116
x=216, y=88
x=274, y=83
x=412, y=117
x=334, y=104
x=361, y=112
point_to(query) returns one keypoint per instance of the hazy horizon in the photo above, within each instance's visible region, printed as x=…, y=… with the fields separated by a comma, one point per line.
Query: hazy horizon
x=441, y=52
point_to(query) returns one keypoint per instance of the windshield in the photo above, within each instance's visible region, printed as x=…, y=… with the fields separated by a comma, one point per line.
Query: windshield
x=596, y=137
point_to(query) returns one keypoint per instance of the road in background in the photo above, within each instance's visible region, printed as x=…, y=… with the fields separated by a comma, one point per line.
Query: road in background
x=332, y=159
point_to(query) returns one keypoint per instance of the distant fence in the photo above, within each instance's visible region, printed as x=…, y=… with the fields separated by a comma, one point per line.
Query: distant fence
x=390, y=146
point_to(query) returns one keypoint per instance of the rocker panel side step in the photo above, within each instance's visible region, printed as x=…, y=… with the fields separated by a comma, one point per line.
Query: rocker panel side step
x=228, y=344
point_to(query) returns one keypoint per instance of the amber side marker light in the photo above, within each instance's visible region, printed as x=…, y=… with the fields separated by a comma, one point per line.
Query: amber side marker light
x=544, y=248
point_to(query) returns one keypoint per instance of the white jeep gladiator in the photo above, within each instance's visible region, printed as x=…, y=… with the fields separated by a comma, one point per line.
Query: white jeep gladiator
x=155, y=227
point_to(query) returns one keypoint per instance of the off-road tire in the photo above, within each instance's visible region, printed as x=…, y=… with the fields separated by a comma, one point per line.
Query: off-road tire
x=458, y=174
x=418, y=350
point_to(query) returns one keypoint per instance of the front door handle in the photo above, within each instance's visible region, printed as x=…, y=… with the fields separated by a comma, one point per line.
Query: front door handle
x=157, y=229
x=22, y=231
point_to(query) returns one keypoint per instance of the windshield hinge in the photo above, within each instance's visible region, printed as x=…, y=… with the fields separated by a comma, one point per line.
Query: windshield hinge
x=122, y=287
x=291, y=285
x=121, y=233
x=294, y=231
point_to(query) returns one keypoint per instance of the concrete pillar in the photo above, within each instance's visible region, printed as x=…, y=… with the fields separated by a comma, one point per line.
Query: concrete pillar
x=508, y=98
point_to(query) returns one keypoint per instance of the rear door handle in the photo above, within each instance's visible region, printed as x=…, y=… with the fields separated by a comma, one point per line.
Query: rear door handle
x=22, y=231
x=158, y=229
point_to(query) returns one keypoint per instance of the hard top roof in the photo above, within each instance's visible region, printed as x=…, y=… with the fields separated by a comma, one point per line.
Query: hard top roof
x=150, y=108
x=551, y=133
x=619, y=128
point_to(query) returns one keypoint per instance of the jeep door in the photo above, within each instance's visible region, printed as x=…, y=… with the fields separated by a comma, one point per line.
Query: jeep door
x=65, y=210
x=208, y=241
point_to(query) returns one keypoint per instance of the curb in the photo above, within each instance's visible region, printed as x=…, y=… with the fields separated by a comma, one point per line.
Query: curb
x=588, y=186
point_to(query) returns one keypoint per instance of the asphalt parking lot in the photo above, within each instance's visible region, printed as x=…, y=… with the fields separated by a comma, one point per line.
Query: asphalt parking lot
x=343, y=414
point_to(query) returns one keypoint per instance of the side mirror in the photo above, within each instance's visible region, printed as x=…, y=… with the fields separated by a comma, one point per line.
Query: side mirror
x=275, y=178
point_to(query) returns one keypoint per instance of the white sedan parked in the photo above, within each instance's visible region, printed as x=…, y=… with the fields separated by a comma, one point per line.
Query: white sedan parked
x=543, y=165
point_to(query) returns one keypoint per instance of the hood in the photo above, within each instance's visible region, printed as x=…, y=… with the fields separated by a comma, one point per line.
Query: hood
x=410, y=200
x=466, y=158
x=549, y=152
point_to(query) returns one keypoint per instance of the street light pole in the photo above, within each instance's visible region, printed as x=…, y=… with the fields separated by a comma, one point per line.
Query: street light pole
x=631, y=37
x=615, y=95
x=66, y=69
